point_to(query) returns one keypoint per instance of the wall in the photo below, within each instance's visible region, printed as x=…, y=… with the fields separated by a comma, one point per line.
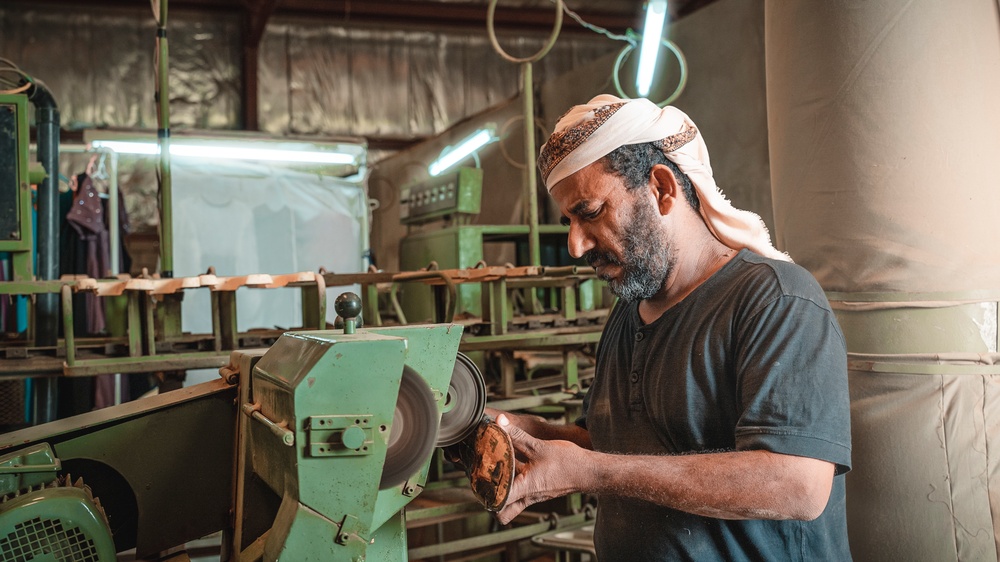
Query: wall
x=724, y=47
x=316, y=78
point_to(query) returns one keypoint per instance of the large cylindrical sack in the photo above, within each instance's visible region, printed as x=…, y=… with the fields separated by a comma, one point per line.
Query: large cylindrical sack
x=884, y=135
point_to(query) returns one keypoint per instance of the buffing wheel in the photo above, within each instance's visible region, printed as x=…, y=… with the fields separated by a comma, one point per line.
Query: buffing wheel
x=464, y=405
x=414, y=430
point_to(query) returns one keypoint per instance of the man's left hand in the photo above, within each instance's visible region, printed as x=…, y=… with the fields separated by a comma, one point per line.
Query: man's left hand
x=544, y=470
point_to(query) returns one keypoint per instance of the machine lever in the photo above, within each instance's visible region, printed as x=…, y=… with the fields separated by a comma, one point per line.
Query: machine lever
x=280, y=429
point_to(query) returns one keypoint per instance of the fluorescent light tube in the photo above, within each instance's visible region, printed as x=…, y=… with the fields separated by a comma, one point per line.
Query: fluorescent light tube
x=128, y=147
x=464, y=149
x=656, y=15
x=227, y=152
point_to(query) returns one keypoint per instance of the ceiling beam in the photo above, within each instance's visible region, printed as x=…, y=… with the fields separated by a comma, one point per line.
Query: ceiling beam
x=450, y=13
x=393, y=12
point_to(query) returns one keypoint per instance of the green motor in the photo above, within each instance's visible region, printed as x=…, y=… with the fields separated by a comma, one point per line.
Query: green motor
x=48, y=518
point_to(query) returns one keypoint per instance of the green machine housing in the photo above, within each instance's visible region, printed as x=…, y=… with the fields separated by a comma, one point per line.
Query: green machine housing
x=15, y=188
x=306, y=451
x=459, y=244
x=360, y=442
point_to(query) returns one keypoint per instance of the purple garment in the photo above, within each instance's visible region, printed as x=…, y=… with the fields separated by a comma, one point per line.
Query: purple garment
x=86, y=216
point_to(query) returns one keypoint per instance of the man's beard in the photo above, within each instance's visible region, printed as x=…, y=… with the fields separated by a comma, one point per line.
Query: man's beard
x=646, y=261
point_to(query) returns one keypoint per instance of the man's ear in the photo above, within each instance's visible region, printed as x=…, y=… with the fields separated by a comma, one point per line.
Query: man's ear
x=664, y=188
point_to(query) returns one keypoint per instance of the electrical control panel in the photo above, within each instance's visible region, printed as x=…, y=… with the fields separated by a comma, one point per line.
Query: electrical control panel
x=12, y=154
x=455, y=193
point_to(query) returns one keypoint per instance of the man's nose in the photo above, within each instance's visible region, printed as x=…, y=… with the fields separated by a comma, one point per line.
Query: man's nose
x=578, y=241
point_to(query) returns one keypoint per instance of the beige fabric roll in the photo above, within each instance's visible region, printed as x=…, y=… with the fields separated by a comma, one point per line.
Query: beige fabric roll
x=884, y=134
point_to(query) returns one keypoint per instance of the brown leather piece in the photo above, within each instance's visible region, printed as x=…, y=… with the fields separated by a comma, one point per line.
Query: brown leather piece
x=488, y=459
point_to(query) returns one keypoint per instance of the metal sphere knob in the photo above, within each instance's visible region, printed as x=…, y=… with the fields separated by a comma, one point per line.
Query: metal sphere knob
x=348, y=307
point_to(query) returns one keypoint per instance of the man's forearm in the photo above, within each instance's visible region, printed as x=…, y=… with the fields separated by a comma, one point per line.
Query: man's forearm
x=736, y=485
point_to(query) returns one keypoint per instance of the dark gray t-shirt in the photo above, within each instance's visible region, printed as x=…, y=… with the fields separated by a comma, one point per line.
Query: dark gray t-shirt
x=751, y=359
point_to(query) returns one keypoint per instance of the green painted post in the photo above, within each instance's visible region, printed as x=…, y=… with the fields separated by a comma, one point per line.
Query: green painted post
x=67, y=313
x=163, y=138
x=371, y=312
x=310, y=308
x=227, y=319
x=571, y=371
x=569, y=301
x=149, y=323
x=134, y=324
x=216, y=323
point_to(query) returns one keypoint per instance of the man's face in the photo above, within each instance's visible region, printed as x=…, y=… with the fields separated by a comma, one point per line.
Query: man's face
x=616, y=231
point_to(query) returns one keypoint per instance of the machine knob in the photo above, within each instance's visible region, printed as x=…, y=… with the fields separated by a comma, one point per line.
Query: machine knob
x=348, y=307
x=353, y=437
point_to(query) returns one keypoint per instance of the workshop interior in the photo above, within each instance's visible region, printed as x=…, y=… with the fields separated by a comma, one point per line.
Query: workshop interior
x=264, y=264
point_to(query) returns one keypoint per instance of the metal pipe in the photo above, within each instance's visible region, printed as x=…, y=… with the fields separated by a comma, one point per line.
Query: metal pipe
x=530, y=175
x=47, y=305
x=66, y=293
x=506, y=536
x=113, y=211
x=163, y=139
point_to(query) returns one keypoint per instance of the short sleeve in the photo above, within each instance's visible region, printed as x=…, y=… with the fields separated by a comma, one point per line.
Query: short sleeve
x=792, y=382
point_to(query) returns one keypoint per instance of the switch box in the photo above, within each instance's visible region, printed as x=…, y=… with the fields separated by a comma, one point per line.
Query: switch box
x=456, y=193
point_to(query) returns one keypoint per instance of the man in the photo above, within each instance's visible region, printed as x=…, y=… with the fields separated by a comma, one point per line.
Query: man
x=717, y=426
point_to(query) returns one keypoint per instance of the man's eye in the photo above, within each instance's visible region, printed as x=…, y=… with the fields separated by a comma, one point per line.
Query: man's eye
x=589, y=215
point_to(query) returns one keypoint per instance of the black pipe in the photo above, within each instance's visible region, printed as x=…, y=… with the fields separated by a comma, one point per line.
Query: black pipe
x=47, y=304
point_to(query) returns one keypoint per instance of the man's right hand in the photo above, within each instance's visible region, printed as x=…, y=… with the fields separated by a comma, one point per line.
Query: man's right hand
x=540, y=428
x=545, y=469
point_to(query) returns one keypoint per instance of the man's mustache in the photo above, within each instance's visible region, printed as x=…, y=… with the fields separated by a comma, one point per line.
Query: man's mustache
x=596, y=255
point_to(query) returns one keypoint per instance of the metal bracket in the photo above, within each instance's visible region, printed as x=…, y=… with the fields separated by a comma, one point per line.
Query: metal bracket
x=340, y=435
x=411, y=489
x=349, y=527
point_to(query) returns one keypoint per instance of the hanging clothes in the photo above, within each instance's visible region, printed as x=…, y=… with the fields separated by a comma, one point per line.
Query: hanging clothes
x=87, y=243
x=86, y=217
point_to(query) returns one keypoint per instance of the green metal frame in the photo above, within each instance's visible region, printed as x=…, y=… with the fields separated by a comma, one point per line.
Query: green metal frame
x=458, y=247
x=21, y=247
x=146, y=339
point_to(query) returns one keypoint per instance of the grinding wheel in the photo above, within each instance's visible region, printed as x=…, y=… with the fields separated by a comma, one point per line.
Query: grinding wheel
x=414, y=430
x=464, y=405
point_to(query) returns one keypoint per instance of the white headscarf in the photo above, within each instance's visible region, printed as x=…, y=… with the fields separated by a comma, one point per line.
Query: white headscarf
x=589, y=132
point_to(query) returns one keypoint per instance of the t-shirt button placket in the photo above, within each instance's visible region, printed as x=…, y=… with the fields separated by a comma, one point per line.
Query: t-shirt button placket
x=638, y=336
x=634, y=377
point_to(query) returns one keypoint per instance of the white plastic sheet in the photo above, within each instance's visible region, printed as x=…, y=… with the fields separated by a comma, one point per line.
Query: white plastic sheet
x=244, y=218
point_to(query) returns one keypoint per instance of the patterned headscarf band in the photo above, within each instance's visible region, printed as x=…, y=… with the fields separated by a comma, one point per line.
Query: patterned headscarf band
x=589, y=132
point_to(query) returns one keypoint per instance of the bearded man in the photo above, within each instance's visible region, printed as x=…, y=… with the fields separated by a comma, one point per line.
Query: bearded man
x=717, y=426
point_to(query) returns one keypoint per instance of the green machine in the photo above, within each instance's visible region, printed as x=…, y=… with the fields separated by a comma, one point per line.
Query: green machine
x=453, y=199
x=305, y=451
x=15, y=189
